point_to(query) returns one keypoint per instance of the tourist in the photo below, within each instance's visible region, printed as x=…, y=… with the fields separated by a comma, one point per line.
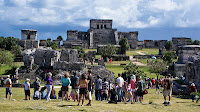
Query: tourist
x=125, y=92
x=65, y=85
x=133, y=86
x=153, y=81
x=141, y=88
x=75, y=90
x=120, y=82
x=193, y=89
x=98, y=88
x=110, y=87
x=90, y=84
x=157, y=85
x=27, y=89
x=8, y=85
x=113, y=98
x=53, y=93
x=43, y=92
x=2, y=82
x=36, y=86
x=168, y=88
x=105, y=89
x=49, y=84
x=129, y=89
x=17, y=79
x=83, y=83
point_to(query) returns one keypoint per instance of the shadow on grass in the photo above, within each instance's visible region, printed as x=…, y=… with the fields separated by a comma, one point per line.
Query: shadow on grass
x=67, y=105
x=183, y=96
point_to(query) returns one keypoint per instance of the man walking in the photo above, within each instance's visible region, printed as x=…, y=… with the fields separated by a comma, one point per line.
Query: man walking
x=120, y=83
x=168, y=88
x=74, y=83
x=8, y=85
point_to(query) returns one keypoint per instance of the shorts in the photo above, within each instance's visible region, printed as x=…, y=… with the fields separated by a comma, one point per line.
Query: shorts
x=83, y=91
x=8, y=90
x=140, y=93
x=157, y=87
x=105, y=92
x=90, y=95
x=27, y=92
x=65, y=88
x=75, y=91
x=167, y=93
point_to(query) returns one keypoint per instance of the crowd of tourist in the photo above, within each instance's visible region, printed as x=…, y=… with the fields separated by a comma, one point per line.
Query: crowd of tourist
x=130, y=90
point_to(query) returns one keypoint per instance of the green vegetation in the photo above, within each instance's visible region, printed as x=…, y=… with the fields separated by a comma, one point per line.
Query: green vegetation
x=6, y=58
x=177, y=104
x=168, y=57
x=131, y=53
x=80, y=50
x=108, y=51
x=52, y=44
x=59, y=38
x=196, y=42
x=169, y=45
x=124, y=45
x=9, y=69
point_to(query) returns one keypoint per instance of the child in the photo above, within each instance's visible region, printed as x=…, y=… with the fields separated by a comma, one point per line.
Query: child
x=193, y=89
x=27, y=89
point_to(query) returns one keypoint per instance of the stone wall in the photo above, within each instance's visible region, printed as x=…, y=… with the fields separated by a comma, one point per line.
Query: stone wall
x=72, y=34
x=148, y=43
x=29, y=34
x=29, y=44
x=117, y=46
x=180, y=41
x=132, y=38
x=43, y=42
x=100, y=24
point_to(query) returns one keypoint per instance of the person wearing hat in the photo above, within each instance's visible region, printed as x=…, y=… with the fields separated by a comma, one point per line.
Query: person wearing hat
x=26, y=86
x=36, y=86
x=49, y=85
x=8, y=85
x=193, y=89
x=141, y=88
x=98, y=87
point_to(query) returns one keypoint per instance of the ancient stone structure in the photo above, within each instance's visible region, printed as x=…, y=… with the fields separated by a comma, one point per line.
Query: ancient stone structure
x=100, y=33
x=140, y=44
x=162, y=50
x=28, y=58
x=29, y=39
x=154, y=43
x=43, y=42
x=180, y=41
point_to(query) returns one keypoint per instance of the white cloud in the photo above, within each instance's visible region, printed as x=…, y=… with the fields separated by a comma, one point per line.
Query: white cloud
x=130, y=14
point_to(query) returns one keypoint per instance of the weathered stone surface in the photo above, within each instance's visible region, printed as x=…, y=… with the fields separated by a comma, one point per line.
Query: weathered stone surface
x=101, y=62
x=162, y=50
x=61, y=65
x=28, y=58
x=68, y=55
x=180, y=41
x=77, y=66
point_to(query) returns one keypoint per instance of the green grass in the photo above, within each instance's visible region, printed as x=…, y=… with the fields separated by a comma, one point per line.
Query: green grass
x=115, y=68
x=5, y=68
x=145, y=51
x=97, y=56
x=20, y=105
x=86, y=50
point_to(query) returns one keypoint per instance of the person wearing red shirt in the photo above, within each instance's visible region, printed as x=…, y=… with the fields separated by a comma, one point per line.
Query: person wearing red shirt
x=193, y=89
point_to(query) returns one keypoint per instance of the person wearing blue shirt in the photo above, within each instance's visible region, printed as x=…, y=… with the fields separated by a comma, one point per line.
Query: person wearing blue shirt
x=65, y=85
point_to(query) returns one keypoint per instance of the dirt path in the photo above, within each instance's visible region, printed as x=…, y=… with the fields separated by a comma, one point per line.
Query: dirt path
x=140, y=53
x=135, y=61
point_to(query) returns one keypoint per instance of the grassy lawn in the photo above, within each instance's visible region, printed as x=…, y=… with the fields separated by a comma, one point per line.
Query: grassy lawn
x=86, y=50
x=115, y=68
x=145, y=51
x=5, y=68
x=19, y=105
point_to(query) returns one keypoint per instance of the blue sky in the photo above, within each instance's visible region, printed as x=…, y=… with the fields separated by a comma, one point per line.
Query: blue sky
x=154, y=19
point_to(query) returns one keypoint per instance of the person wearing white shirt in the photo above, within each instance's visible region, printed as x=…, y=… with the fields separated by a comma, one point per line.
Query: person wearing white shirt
x=120, y=82
x=27, y=89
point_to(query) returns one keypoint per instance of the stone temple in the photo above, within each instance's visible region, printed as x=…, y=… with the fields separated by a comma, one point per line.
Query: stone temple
x=99, y=33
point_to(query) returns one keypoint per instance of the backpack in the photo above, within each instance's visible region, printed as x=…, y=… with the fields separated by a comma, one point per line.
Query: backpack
x=8, y=84
x=169, y=84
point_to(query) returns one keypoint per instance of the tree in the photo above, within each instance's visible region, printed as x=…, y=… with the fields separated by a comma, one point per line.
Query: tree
x=124, y=45
x=132, y=69
x=196, y=42
x=17, y=50
x=108, y=51
x=49, y=39
x=7, y=43
x=168, y=57
x=59, y=38
x=157, y=66
x=80, y=50
x=169, y=45
x=6, y=57
x=53, y=45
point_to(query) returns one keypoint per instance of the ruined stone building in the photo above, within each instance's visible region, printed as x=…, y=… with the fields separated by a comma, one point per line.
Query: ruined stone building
x=29, y=39
x=188, y=64
x=180, y=41
x=99, y=33
x=154, y=43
